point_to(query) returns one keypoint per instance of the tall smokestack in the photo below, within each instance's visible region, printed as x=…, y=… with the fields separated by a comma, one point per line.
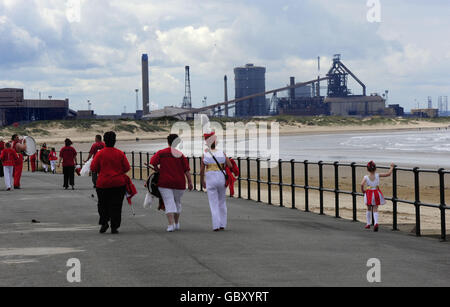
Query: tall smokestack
x=292, y=90
x=226, y=95
x=145, y=85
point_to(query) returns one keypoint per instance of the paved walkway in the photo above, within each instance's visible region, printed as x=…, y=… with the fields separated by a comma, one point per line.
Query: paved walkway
x=265, y=245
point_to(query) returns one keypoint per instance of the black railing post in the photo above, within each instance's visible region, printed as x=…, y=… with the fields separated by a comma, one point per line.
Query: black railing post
x=258, y=180
x=306, y=186
x=442, y=205
x=336, y=188
x=249, y=186
x=280, y=175
x=269, y=182
x=201, y=182
x=141, y=175
x=321, y=186
x=417, y=200
x=148, y=163
x=293, y=184
x=28, y=163
x=239, y=178
x=132, y=164
x=354, y=199
x=394, y=200
x=81, y=159
x=195, y=172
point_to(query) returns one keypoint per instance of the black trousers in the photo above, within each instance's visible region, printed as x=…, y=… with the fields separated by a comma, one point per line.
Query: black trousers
x=94, y=179
x=110, y=203
x=69, y=176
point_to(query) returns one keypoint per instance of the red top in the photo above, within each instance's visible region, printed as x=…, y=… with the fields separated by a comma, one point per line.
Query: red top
x=96, y=147
x=68, y=155
x=112, y=166
x=53, y=156
x=172, y=169
x=9, y=157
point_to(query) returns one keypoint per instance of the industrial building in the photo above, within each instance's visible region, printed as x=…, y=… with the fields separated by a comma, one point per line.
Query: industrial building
x=14, y=108
x=425, y=113
x=250, y=80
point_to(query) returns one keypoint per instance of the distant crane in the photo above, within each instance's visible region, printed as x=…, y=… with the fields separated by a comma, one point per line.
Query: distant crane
x=187, y=99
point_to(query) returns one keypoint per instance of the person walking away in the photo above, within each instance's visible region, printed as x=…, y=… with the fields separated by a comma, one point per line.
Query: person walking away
x=96, y=147
x=44, y=157
x=2, y=147
x=33, y=163
x=214, y=180
x=112, y=167
x=373, y=197
x=19, y=146
x=174, y=169
x=9, y=159
x=53, y=157
x=68, y=157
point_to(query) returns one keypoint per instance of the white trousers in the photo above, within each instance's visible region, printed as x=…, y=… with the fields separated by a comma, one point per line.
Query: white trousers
x=53, y=165
x=45, y=166
x=172, y=200
x=9, y=176
x=215, y=185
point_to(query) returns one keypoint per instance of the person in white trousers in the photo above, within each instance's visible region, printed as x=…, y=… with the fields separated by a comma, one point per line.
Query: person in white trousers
x=9, y=158
x=214, y=181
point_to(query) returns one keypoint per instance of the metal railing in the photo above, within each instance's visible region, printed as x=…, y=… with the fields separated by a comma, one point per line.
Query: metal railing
x=287, y=190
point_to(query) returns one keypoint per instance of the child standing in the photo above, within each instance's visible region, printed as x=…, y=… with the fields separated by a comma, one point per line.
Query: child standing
x=9, y=158
x=53, y=157
x=373, y=197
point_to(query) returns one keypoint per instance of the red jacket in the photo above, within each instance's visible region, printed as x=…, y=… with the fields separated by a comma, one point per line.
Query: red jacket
x=53, y=156
x=112, y=166
x=9, y=157
x=231, y=176
x=172, y=168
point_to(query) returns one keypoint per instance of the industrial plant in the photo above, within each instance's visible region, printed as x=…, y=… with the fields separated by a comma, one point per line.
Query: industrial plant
x=297, y=99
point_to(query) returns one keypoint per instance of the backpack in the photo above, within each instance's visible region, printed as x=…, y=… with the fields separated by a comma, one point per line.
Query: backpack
x=152, y=185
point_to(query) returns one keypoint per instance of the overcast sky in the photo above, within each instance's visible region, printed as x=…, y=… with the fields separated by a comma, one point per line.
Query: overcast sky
x=44, y=47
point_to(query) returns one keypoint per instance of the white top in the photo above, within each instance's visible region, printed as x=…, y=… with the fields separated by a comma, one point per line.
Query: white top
x=375, y=183
x=220, y=156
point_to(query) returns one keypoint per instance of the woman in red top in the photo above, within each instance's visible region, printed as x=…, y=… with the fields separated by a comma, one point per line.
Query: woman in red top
x=112, y=166
x=68, y=157
x=9, y=159
x=53, y=157
x=174, y=170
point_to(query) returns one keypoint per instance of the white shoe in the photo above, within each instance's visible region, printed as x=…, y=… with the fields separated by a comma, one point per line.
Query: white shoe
x=177, y=227
x=171, y=228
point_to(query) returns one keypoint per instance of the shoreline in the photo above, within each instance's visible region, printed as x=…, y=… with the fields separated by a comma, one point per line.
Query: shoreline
x=285, y=130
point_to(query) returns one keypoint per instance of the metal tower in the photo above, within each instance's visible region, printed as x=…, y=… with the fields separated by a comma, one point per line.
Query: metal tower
x=273, y=107
x=187, y=99
x=338, y=78
x=430, y=102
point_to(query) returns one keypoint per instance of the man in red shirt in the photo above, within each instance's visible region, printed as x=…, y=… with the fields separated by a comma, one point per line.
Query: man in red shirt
x=9, y=158
x=96, y=147
x=112, y=166
x=174, y=170
x=18, y=167
x=68, y=157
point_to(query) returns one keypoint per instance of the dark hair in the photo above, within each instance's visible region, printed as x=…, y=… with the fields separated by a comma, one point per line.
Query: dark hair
x=8, y=145
x=371, y=167
x=110, y=139
x=13, y=137
x=173, y=140
x=68, y=142
x=98, y=137
x=53, y=149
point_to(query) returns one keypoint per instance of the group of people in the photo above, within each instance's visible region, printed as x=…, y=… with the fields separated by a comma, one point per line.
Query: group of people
x=109, y=168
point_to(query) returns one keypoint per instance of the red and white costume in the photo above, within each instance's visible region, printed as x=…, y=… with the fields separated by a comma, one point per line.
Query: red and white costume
x=373, y=195
x=18, y=167
x=53, y=157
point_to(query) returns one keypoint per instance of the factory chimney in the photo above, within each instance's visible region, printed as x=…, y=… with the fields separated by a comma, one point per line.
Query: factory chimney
x=145, y=85
x=292, y=90
x=226, y=95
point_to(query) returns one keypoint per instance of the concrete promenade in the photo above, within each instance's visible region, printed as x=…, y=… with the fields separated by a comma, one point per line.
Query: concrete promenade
x=265, y=246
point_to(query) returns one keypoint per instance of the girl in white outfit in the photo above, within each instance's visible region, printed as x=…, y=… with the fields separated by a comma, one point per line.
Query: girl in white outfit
x=213, y=179
x=373, y=197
